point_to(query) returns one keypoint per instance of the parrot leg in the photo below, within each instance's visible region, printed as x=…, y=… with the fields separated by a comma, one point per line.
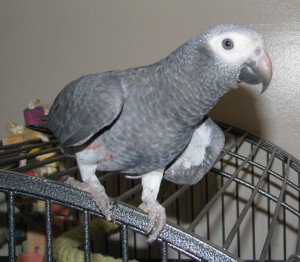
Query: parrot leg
x=200, y=155
x=92, y=185
x=156, y=212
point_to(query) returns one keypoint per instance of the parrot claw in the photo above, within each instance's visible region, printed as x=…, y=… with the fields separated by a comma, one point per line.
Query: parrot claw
x=102, y=201
x=156, y=219
x=98, y=193
x=70, y=181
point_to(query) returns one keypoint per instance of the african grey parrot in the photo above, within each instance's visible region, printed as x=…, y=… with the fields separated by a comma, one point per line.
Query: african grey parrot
x=149, y=121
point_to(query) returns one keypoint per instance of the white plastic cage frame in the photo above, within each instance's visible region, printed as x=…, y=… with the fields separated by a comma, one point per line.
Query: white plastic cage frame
x=246, y=207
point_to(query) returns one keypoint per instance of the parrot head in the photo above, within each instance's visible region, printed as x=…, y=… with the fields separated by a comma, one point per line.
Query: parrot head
x=242, y=49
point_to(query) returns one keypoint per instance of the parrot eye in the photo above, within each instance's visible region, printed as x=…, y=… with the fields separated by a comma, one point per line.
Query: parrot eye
x=227, y=44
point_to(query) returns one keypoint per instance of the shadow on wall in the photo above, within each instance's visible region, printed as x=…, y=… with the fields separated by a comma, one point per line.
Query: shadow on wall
x=239, y=108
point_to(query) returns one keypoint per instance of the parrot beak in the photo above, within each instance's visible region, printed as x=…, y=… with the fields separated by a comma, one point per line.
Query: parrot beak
x=257, y=72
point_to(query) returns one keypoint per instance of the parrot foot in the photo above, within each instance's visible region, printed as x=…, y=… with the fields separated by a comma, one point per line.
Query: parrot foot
x=102, y=201
x=156, y=219
x=98, y=193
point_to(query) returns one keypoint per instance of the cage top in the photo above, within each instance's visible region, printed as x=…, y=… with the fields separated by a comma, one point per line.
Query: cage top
x=249, y=169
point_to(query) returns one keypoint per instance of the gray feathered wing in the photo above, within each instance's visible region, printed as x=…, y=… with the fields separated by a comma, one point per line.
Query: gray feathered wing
x=84, y=107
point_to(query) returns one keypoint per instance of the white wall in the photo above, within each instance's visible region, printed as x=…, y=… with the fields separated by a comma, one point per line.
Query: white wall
x=46, y=44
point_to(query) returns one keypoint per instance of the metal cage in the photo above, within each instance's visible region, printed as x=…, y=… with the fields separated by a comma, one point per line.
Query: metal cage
x=245, y=209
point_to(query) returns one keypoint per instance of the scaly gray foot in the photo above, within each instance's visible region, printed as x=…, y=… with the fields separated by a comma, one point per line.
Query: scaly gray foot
x=98, y=193
x=156, y=219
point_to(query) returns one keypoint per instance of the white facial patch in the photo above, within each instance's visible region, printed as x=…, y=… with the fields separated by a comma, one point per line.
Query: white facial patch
x=244, y=47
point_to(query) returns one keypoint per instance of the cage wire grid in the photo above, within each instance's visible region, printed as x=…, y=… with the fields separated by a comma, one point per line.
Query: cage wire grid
x=245, y=209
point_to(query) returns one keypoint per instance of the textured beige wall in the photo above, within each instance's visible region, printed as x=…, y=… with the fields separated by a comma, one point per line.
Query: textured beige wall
x=46, y=44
